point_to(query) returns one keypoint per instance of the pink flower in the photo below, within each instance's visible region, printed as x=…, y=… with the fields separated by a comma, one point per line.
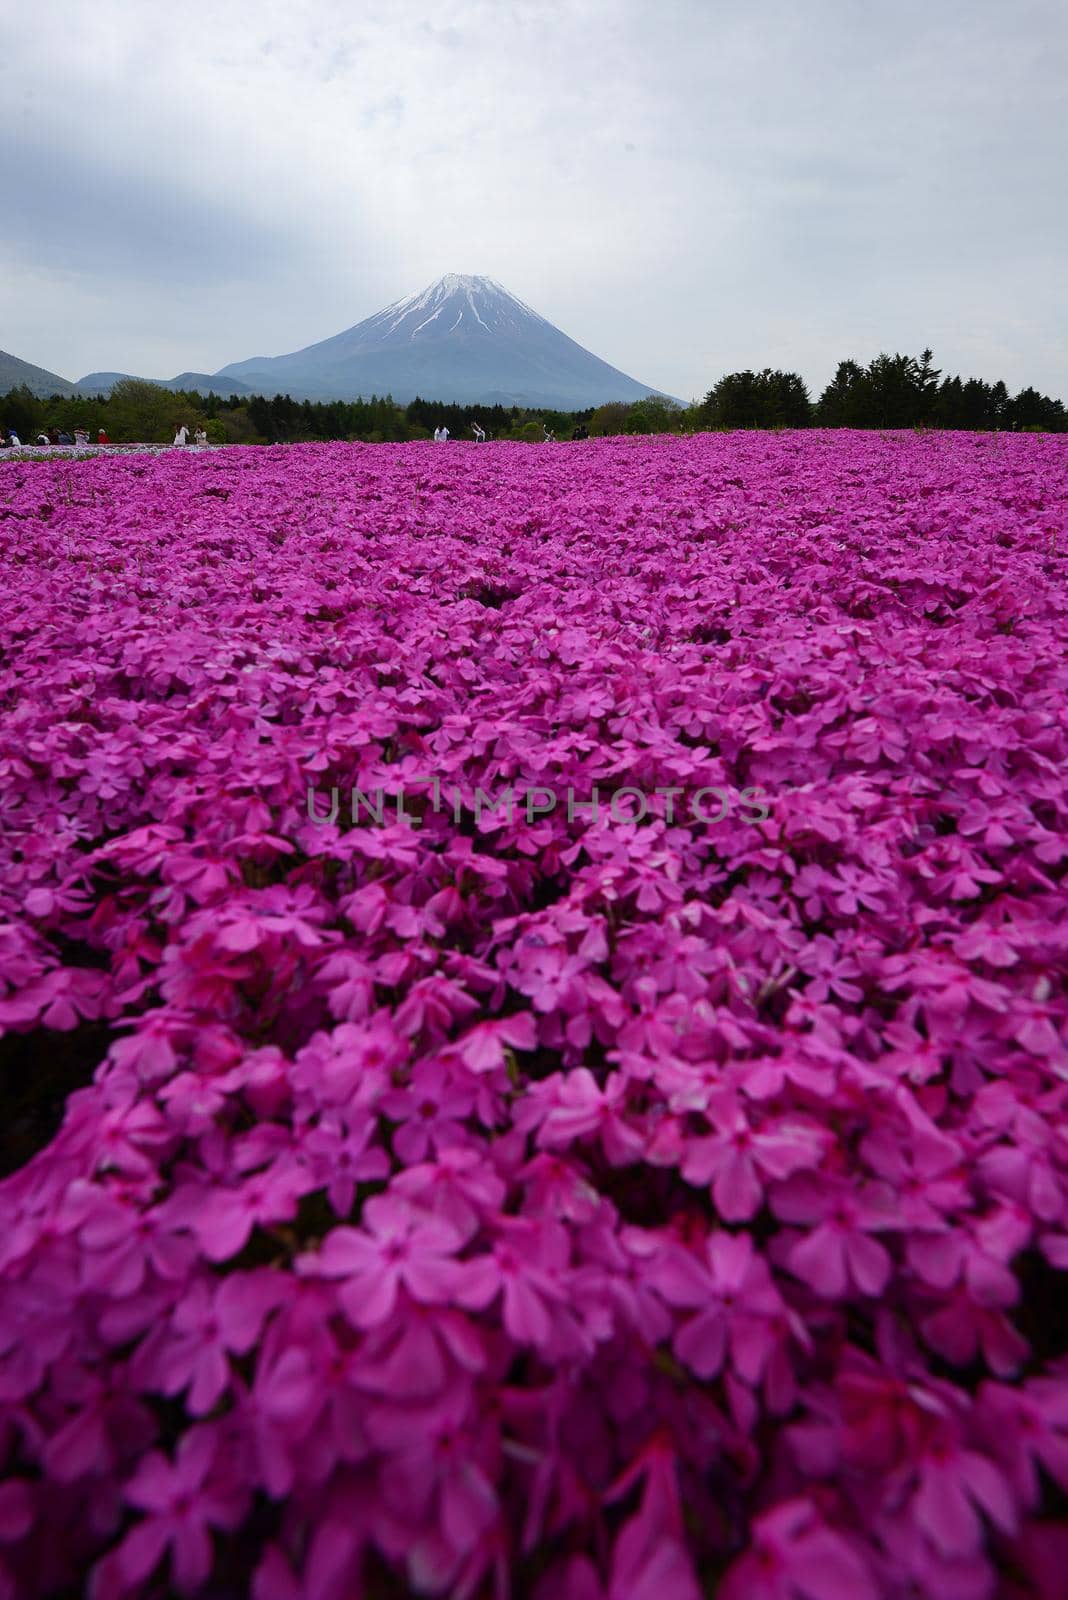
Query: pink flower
x=397, y=1247
x=439, y=1465
x=340, y=1157
x=182, y=1501
x=662, y=1572
x=527, y=1267
x=206, y=1328
x=482, y=1047
x=839, y=1254
x=738, y=1158
x=736, y=1303
x=582, y=1107
x=399, y=1204
x=956, y=1488
x=430, y=1111
x=460, y=1187
x=795, y=1556
x=1027, y=1428
x=977, y=1251
x=223, y=1218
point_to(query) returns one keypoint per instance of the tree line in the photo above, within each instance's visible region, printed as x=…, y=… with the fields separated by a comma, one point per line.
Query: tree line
x=892, y=391
x=136, y=411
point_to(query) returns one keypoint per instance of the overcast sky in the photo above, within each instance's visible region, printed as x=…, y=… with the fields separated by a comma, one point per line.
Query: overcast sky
x=683, y=186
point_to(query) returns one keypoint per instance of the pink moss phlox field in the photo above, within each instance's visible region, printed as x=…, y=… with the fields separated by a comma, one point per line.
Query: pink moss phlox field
x=566, y=1209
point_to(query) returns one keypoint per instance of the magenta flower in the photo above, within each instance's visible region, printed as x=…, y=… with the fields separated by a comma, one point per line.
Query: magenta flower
x=181, y=1501
x=839, y=1254
x=397, y=1248
x=737, y=1307
x=430, y=1111
x=1027, y=1429
x=738, y=1159
x=441, y=1202
x=956, y=1489
x=796, y=1556
x=223, y=1218
x=581, y=1107
x=340, y=1157
x=460, y=1187
x=527, y=1267
x=206, y=1328
x=439, y=1468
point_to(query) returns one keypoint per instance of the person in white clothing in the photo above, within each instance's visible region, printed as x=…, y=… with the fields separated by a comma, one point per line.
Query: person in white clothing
x=182, y=435
x=444, y=435
x=200, y=438
x=437, y=435
x=479, y=432
x=16, y=442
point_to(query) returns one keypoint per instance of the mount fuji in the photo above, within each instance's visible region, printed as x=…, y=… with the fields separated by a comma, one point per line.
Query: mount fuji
x=465, y=338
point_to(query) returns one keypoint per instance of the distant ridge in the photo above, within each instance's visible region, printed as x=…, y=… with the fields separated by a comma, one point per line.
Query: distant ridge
x=201, y=382
x=14, y=373
x=465, y=338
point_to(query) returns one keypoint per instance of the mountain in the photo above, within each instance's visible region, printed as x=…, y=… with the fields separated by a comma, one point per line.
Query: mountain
x=464, y=339
x=205, y=383
x=202, y=382
x=14, y=373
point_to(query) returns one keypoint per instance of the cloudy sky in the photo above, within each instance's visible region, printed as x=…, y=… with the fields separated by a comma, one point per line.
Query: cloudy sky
x=685, y=187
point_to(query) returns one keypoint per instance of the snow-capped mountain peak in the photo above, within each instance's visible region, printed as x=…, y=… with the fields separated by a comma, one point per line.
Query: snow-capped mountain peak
x=464, y=337
x=458, y=300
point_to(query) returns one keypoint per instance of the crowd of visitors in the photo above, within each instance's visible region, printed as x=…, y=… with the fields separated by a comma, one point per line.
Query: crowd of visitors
x=79, y=439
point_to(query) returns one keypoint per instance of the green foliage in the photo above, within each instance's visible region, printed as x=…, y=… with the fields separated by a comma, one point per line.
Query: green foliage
x=902, y=392
x=892, y=391
x=20, y=410
x=653, y=415
x=143, y=412
x=236, y=425
x=767, y=399
x=1036, y=413
x=609, y=419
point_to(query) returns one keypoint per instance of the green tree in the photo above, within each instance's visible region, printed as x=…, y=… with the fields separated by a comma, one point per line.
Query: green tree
x=21, y=410
x=767, y=399
x=844, y=401
x=1036, y=412
x=238, y=426
x=142, y=412
x=652, y=415
x=927, y=378
x=609, y=418
x=892, y=392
